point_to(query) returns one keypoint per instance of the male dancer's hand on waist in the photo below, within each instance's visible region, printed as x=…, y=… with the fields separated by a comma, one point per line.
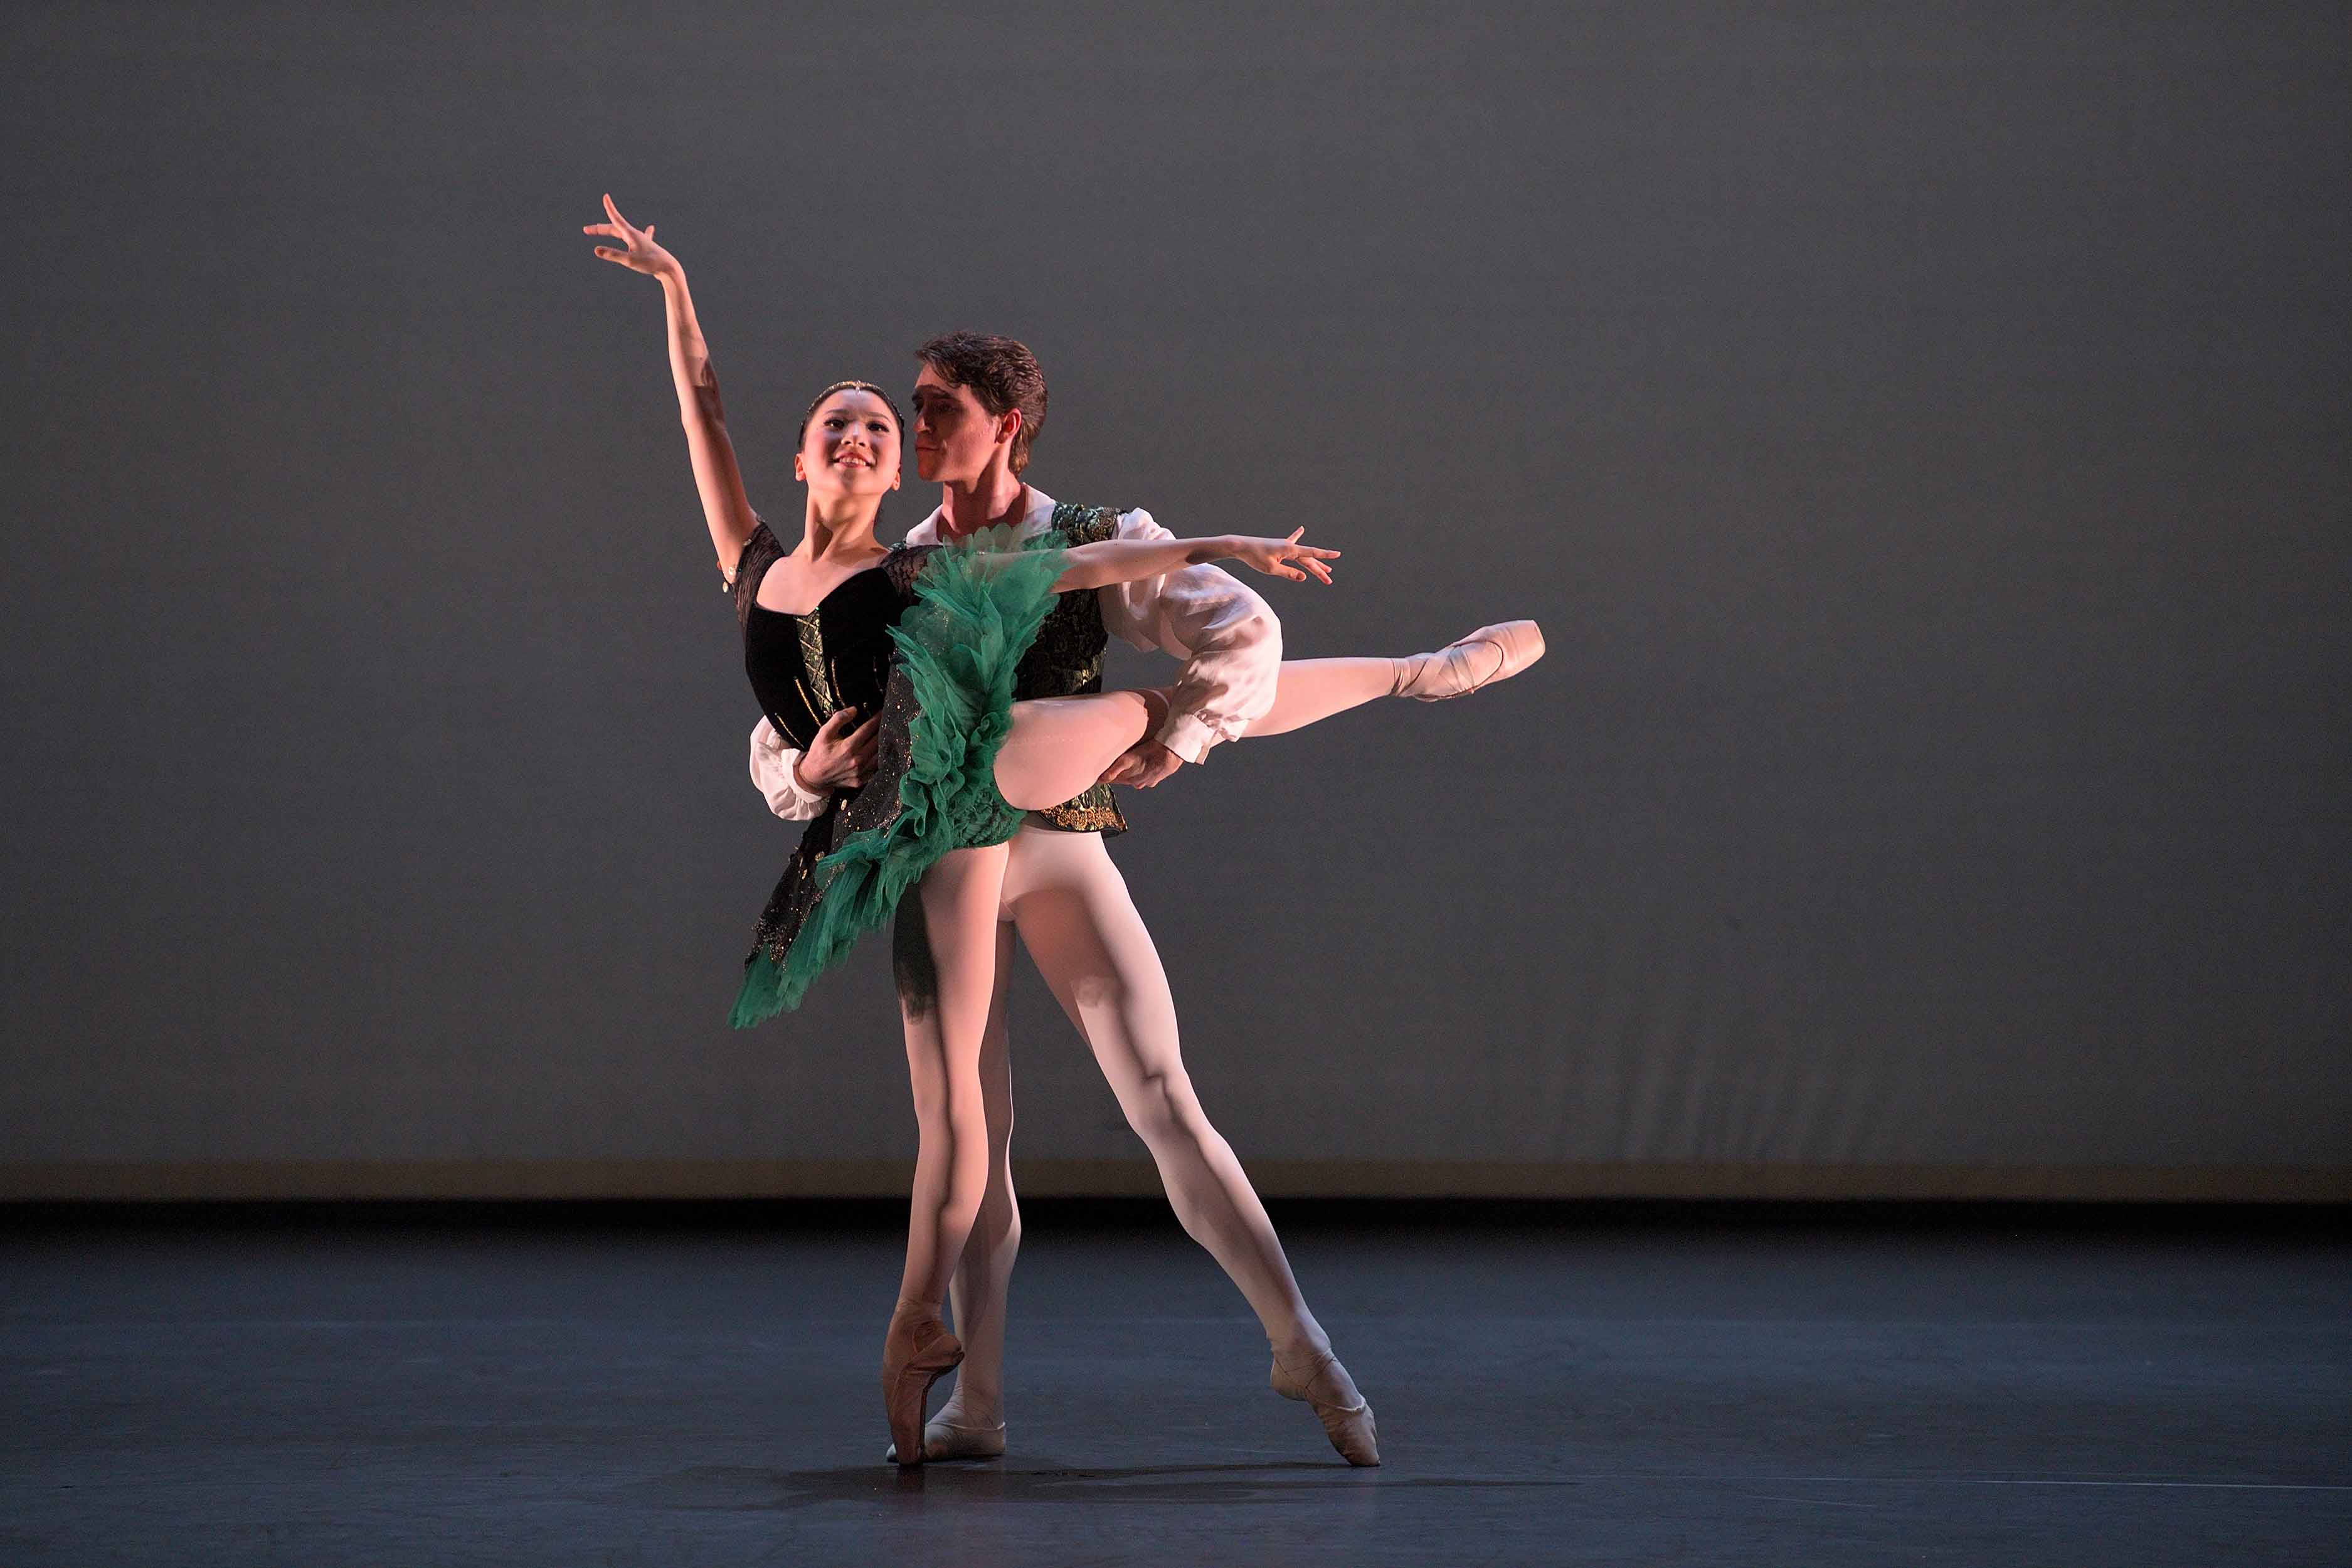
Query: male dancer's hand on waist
x=1142, y=765
x=842, y=755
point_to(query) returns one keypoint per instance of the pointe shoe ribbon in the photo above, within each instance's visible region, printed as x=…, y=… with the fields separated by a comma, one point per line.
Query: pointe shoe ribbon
x=1350, y=1426
x=1501, y=650
x=946, y=1440
x=918, y=1352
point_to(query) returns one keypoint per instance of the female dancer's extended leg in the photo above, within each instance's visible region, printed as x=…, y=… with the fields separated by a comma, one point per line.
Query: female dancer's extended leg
x=1061, y=745
x=1313, y=689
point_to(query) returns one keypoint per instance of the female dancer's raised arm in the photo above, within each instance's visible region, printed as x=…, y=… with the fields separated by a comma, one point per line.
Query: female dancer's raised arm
x=717, y=480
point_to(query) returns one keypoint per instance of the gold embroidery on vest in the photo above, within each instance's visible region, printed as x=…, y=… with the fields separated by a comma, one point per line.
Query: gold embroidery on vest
x=1066, y=660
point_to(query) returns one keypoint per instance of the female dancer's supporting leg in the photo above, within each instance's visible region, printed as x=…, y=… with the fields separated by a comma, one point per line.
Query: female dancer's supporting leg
x=971, y=1425
x=1055, y=748
x=954, y=912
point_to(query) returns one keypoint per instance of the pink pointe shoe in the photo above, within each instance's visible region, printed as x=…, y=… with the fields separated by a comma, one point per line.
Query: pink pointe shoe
x=1486, y=656
x=916, y=1353
x=1350, y=1426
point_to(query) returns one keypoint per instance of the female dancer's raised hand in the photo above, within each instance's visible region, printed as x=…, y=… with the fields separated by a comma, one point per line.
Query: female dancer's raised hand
x=1274, y=556
x=639, y=253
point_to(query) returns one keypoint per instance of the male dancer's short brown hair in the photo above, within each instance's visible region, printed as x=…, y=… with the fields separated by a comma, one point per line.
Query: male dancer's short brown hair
x=1002, y=373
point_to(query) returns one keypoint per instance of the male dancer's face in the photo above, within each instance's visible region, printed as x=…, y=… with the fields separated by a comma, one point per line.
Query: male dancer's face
x=955, y=438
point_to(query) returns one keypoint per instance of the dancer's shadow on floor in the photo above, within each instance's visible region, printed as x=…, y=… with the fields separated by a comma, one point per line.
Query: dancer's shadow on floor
x=1282, y=1482
x=749, y=1486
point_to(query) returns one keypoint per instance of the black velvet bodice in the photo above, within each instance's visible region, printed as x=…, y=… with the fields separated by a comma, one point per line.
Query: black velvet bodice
x=805, y=667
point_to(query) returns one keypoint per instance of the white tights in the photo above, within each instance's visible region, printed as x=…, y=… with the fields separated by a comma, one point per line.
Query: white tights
x=1058, y=746
x=1070, y=907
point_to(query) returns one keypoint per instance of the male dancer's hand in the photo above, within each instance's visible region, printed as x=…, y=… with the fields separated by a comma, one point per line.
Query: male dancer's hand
x=839, y=757
x=1142, y=765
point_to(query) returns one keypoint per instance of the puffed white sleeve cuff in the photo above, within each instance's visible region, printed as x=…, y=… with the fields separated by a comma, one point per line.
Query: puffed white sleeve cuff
x=1190, y=736
x=1226, y=635
x=772, y=771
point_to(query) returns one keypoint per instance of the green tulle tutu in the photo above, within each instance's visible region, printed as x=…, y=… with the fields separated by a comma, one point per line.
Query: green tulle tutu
x=978, y=606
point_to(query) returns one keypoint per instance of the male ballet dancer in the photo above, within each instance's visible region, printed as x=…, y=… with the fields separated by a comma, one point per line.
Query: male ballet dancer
x=980, y=403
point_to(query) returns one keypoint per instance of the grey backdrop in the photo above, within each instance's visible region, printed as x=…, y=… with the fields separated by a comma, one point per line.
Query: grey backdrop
x=1922, y=432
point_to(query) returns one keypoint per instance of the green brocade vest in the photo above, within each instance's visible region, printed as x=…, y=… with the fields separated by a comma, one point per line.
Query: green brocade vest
x=1066, y=660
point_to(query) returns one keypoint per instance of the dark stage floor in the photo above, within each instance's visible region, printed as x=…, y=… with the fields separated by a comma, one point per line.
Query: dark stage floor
x=673, y=1387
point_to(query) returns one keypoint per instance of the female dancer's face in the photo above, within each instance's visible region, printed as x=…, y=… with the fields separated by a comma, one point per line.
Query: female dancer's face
x=851, y=447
